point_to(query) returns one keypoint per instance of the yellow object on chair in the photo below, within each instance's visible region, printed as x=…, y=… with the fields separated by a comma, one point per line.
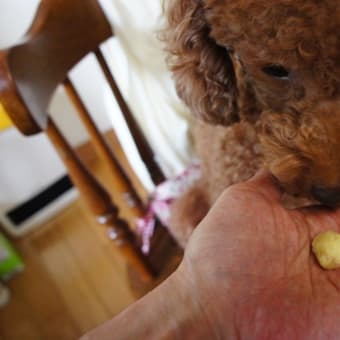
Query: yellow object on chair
x=5, y=122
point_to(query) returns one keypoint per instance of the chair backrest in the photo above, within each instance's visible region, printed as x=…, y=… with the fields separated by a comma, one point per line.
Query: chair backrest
x=63, y=32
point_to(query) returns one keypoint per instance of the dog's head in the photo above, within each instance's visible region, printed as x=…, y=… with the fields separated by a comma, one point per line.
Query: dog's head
x=275, y=63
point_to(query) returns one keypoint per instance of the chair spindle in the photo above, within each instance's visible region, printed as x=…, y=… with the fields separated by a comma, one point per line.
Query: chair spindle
x=99, y=201
x=142, y=145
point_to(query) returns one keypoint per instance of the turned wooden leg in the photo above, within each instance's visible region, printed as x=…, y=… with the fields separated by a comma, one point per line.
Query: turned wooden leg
x=99, y=201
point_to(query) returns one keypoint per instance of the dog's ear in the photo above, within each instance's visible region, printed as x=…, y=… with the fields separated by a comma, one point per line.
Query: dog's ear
x=203, y=70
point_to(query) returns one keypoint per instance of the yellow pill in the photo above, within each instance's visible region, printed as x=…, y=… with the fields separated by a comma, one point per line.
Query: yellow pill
x=326, y=248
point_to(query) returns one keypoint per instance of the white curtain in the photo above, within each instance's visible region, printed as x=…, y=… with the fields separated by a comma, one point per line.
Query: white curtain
x=137, y=60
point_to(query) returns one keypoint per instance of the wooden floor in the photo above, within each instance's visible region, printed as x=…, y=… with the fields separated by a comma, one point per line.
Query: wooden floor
x=74, y=280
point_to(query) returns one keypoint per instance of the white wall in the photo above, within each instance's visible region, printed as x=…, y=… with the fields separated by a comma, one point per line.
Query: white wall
x=15, y=17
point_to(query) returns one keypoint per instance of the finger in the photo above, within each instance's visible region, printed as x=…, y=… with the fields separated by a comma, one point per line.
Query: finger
x=266, y=184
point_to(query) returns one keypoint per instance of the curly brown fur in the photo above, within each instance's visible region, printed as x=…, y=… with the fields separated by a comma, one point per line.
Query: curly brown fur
x=273, y=66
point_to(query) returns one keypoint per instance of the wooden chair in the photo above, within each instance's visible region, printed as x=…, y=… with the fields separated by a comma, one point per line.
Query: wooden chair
x=62, y=33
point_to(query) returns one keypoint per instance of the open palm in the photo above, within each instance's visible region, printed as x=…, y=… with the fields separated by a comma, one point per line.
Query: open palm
x=250, y=267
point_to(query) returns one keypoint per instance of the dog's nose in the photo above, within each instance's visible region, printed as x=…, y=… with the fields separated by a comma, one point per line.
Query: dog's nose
x=325, y=195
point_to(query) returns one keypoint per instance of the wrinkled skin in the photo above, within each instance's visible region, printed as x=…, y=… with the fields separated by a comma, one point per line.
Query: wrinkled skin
x=249, y=267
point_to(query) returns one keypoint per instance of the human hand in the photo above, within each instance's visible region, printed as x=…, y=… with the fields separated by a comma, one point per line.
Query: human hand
x=248, y=267
x=247, y=273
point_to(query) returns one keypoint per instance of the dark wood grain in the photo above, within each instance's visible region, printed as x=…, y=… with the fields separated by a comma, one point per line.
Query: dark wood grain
x=12, y=102
x=62, y=33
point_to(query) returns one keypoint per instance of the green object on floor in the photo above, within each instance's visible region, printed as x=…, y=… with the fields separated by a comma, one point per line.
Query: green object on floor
x=10, y=261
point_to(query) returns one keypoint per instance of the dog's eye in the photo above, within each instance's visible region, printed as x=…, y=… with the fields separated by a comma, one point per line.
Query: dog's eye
x=276, y=71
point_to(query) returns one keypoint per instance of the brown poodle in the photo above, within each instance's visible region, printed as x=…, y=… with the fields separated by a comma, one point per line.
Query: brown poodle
x=267, y=74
